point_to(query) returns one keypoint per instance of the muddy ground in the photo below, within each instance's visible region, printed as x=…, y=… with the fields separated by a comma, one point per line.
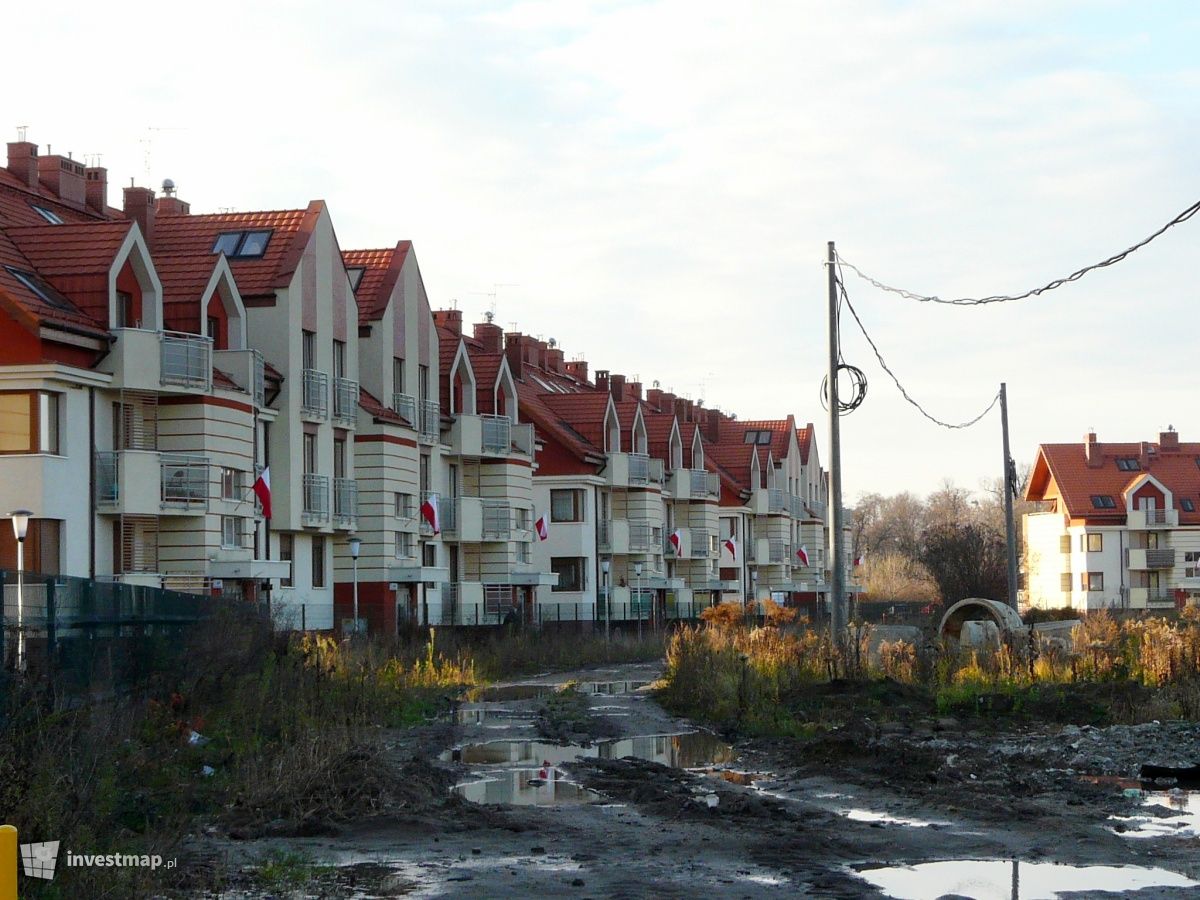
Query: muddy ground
x=814, y=812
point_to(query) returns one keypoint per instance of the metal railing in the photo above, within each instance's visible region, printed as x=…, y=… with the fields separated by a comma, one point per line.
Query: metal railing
x=639, y=468
x=185, y=359
x=1160, y=598
x=314, y=398
x=780, y=552
x=604, y=532
x=450, y=594
x=497, y=598
x=817, y=508
x=641, y=537
x=316, y=497
x=345, y=500
x=1156, y=558
x=431, y=422
x=1156, y=516
x=107, y=476
x=797, y=508
x=496, y=433
x=184, y=480
x=777, y=501
x=345, y=399
x=700, y=544
x=448, y=513
x=405, y=407
x=258, y=375
x=497, y=519
x=658, y=471
x=706, y=483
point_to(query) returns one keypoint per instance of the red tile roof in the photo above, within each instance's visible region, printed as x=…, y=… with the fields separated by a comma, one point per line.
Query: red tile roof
x=381, y=270
x=377, y=410
x=781, y=430
x=583, y=412
x=804, y=439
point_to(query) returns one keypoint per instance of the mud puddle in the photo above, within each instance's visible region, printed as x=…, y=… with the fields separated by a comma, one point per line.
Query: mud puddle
x=686, y=750
x=487, y=716
x=1174, y=813
x=509, y=692
x=546, y=786
x=1012, y=879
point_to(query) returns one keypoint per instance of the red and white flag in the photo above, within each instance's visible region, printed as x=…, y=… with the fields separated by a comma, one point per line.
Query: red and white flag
x=858, y=560
x=803, y=554
x=262, y=490
x=542, y=529
x=429, y=512
x=676, y=539
x=731, y=546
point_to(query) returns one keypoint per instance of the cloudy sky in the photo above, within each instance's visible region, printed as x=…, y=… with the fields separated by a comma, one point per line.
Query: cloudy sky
x=653, y=184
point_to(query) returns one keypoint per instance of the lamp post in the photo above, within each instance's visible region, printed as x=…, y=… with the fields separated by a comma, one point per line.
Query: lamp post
x=753, y=586
x=637, y=570
x=355, y=548
x=20, y=522
x=605, y=567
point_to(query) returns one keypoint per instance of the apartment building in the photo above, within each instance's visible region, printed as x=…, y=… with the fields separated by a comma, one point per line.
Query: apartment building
x=1119, y=528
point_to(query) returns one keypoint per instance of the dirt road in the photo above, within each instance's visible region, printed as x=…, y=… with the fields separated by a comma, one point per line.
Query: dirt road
x=630, y=808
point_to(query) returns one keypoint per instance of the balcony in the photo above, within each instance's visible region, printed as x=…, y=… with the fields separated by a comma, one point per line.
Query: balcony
x=345, y=502
x=497, y=520
x=247, y=369
x=489, y=435
x=345, y=401
x=314, y=396
x=1149, y=559
x=694, y=484
x=316, y=499
x=1150, y=598
x=151, y=360
x=641, y=538
x=496, y=434
x=431, y=422
x=779, y=552
x=639, y=468
x=604, y=532
x=701, y=544
x=184, y=481
x=778, y=501
x=1141, y=519
x=817, y=508
x=186, y=360
x=146, y=482
x=406, y=407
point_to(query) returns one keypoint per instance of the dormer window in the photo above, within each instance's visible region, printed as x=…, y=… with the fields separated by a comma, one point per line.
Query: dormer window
x=242, y=244
x=1103, y=501
x=1128, y=464
x=48, y=214
x=355, y=274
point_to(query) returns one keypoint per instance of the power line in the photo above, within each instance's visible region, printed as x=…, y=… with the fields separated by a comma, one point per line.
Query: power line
x=844, y=298
x=1005, y=298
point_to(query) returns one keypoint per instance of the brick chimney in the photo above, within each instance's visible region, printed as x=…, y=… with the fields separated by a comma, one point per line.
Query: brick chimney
x=635, y=390
x=554, y=358
x=139, y=207
x=490, y=335
x=1091, y=451
x=172, y=206
x=616, y=386
x=712, y=425
x=683, y=409
x=1168, y=441
x=23, y=162
x=602, y=380
x=1145, y=454
x=96, y=188
x=64, y=178
x=654, y=396
x=578, y=369
x=450, y=319
x=512, y=351
x=536, y=352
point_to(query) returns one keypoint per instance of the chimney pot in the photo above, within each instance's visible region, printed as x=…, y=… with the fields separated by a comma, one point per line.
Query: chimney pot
x=64, y=178
x=512, y=352
x=450, y=319
x=578, y=369
x=23, y=162
x=617, y=387
x=139, y=207
x=1169, y=439
x=490, y=335
x=96, y=188
x=602, y=380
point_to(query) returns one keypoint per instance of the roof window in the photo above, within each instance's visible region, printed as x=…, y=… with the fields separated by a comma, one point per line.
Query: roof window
x=355, y=274
x=48, y=214
x=242, y=244
x=757, y=437
x=1128, y=464
x=39, y=288
x=1187, y=505
x=1103, y=501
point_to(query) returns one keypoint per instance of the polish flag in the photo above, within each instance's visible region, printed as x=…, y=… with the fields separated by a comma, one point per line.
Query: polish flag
x=858, y=560
x=429, y=512
x=731, y=547
x=543, y=531
x=676, y=540
x=803, y=554
x=262, y=490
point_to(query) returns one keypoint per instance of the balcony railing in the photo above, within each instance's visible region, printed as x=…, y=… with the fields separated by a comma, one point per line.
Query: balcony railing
x=448, y=513
x=186, y=359
x=345, y=399
x=817, y=508
x=314, y=400
x=641, y=537
x=777, y=501
x=406, y=407
x=780, y=552
x=604, y=532
x=258, y=373
x=316, y=497
x=345, y=501
x=704, y=483
x=496, y=435
x=184, y=481
x=639, y=468
x=431, y=421
x=497, y=519
x=700, y=544
x=497, y=598
x=107, y=477
x=522, y=438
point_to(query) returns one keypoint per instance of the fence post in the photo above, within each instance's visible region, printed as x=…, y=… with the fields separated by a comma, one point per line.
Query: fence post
x=303, y=620
x=51, y=629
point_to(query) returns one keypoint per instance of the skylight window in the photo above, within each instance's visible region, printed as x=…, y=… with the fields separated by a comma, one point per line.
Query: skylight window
x=48, y=214
x=1187, y=505
x=1128, y=464
x=39, y=288
x=1103, y=501
x=242, y=244
x=356, y=275
x=751, y=437
x=764, y=437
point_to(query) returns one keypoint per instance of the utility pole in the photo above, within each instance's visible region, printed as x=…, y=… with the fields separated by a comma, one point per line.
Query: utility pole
x=1010, y=530
x=837, y=596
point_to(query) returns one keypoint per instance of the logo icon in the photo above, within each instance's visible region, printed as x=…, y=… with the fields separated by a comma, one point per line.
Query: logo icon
x=39, y=859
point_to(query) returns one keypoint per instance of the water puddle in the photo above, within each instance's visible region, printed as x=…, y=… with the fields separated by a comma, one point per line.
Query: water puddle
x=537, y=691
x=1174, y=813
x=691, y=750
x=868, y=815
x=1012, y=879
x=491, y=716
x=546, y=786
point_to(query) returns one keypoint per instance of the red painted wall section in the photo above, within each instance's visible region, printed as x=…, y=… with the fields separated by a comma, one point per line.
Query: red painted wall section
x=128, y=283
x=376, y=604
x=554, y=459
x=1149, y=491
x=17, y=346
x=216, y=310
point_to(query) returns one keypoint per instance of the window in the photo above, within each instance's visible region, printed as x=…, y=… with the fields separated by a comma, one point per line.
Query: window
x=231, y=483
x=1095, y=543
x=242, y=244
x=429, y=555
x=403, y=506
x=310, y=453
x=764, y=437
x=318, y=561
x=355, y=274
x=753, y=436
x=1065, y=582
x=308, y=349
x=1128, y=464
x=126, y=317
x=339, y=359
x=570, y=570
x=423, y=382
x=48, y=214
x=287, y=548
x=42, y=541
x=566, y=506
x=398, y=375
x=1064, y=543
x=404, y=545
x=231, y=532
x=1187, y=505
x=521, y=517
x=39, y=288
x=1103, y=501
x=523, y=554
x=1191, y=556
x=29, y=422
x=1091, y=581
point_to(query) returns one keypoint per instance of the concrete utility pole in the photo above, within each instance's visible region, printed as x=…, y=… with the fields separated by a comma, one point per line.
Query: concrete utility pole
x=837, y=596
x=1010, y=530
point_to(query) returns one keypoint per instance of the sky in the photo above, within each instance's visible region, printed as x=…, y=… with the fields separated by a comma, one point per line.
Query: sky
x=653, y=185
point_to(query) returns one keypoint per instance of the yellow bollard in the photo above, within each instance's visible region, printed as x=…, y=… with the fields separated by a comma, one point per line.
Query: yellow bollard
x=8, y=862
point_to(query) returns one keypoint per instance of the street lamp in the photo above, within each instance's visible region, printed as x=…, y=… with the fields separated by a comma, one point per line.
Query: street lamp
x=753, y=585
x=637, y=570
x=20, y=523
x=355, y=548
x=605, y=566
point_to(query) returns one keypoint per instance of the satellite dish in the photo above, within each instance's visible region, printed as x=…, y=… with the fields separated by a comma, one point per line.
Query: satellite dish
x=168, y=187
